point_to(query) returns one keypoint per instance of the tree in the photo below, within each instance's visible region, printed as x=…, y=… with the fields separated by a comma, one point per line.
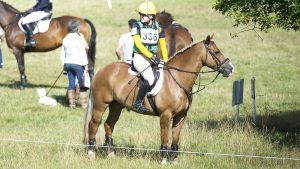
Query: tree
x=264, y=14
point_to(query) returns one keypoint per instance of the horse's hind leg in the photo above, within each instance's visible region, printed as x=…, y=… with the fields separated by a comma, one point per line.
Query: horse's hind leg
x=19, y=55
x=178, y=122
x=98, y=111
x=115, y=110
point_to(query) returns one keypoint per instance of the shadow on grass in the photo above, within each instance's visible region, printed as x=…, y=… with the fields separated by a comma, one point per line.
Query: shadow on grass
x=16, y=85
x=129, y=151
x=62, y=99
x=282, y=128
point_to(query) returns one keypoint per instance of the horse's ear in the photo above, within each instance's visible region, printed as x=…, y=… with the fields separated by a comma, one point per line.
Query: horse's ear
x=207, y=40
x=212, y=36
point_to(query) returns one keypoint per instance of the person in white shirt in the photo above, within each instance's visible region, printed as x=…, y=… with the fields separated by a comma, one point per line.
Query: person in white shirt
x=74, y=58
x=125, y=45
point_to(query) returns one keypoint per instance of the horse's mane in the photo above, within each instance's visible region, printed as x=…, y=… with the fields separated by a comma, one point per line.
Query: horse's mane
x=166, y=14
x=183, y=50
x=9, y=6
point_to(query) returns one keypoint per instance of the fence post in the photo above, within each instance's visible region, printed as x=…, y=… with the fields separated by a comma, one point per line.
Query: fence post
x=253, y=99
x=237, y=96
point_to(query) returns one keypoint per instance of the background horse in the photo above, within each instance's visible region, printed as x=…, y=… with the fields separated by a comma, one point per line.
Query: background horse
x=110, y=89
x=47, y=41
x=177, y=36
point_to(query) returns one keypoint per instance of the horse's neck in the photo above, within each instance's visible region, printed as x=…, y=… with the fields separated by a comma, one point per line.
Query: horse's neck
x=190, y=60
x=6, y=16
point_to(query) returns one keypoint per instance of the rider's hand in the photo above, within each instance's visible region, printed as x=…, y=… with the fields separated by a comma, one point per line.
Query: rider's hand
x=154, y=59
x=24, y=13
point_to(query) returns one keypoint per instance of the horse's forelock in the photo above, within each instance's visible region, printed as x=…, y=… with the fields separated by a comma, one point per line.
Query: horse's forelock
x=166, y=14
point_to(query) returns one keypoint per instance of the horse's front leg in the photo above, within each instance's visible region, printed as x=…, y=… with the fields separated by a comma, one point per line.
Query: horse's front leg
x=94, y=123
x=19, y=55
x=178, y=122
x=115, y=110
x=165, y=119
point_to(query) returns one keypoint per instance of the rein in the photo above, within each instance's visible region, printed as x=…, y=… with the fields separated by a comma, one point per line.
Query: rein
x=218, y=68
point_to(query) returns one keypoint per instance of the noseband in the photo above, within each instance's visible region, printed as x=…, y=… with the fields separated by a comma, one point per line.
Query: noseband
x=220, y=64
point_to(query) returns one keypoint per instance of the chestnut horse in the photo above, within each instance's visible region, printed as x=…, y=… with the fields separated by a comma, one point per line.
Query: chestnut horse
x=47, y=41
x=177, y=36
x=111, y=89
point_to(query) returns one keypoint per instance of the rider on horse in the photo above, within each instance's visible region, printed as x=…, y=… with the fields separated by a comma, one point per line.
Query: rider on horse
x=146, y=34
x=41, y=10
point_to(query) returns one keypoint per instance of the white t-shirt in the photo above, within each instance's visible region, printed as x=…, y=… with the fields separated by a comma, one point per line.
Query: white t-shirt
x=73, y=50
x=2, y=34
x=126, y=41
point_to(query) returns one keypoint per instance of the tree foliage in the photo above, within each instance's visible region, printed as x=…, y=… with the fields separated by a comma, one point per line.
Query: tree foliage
x=265, y=14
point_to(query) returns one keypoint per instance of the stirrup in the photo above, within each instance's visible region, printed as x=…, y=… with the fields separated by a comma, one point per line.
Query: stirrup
x=140, y=108
x=30, y=43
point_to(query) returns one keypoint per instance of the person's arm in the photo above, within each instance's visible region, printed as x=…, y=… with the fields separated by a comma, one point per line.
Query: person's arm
x=2, y=35
x=86, y=45
x=162, y=44
x=163, y=47
x=39, y=6
x=62, y=55
x=118, y=51
x=119, y=47
x=83, y=53
x=141, y=47
x=137, y=41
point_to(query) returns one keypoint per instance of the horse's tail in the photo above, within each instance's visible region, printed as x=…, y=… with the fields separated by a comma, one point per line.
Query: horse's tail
x=92, y=47
x=88, y=117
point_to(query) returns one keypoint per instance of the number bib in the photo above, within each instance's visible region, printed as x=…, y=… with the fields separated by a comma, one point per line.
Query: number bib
x=149, y=36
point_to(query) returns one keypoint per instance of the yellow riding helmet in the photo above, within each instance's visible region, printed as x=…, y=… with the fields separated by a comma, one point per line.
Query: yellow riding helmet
x=147, y=8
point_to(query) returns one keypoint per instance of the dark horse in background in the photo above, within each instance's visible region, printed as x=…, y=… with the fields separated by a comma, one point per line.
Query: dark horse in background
x=177, y=36
x=47, y=41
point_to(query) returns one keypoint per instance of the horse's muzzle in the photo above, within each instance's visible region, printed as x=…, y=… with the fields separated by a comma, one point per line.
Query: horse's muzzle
x=226, y=69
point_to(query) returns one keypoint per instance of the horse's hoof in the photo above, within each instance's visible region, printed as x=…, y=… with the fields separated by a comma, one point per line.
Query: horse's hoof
x=91, y=155
x=163, y=161
x=111, y=155
x=174, y=161
x=22, y=87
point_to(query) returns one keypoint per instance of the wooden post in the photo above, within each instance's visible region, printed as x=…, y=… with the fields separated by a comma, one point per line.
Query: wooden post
x=253, y=99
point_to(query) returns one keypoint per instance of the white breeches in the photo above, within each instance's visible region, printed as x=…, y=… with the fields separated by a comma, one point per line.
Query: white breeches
x=34, y=16
x=142, y=65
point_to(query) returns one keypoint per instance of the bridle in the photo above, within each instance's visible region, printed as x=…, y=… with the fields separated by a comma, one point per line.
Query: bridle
x=215, y=57
x=219, y=69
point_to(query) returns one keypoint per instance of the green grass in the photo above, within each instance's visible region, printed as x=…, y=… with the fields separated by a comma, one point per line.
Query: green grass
x=274, y=61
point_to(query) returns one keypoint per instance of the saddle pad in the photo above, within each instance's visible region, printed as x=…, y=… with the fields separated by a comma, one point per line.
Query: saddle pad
x=158, y=84
x=42, y=26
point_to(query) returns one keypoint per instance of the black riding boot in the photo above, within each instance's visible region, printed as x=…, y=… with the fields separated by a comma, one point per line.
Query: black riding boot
x=138, y=104
x=30, y=42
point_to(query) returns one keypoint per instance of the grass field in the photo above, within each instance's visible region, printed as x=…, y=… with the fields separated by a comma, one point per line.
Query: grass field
x=274, y=61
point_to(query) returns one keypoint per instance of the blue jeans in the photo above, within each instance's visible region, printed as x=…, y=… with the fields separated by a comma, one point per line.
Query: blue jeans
x=74, y=71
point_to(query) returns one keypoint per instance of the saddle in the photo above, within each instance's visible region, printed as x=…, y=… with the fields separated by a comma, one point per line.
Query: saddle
x=40, y=26
x=158, y=77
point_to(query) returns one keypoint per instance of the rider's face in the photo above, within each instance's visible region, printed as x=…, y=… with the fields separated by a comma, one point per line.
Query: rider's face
x=144, y=18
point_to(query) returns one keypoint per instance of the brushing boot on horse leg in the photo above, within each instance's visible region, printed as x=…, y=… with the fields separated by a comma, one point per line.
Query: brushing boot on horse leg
x=30, y=42
x=138, y=104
